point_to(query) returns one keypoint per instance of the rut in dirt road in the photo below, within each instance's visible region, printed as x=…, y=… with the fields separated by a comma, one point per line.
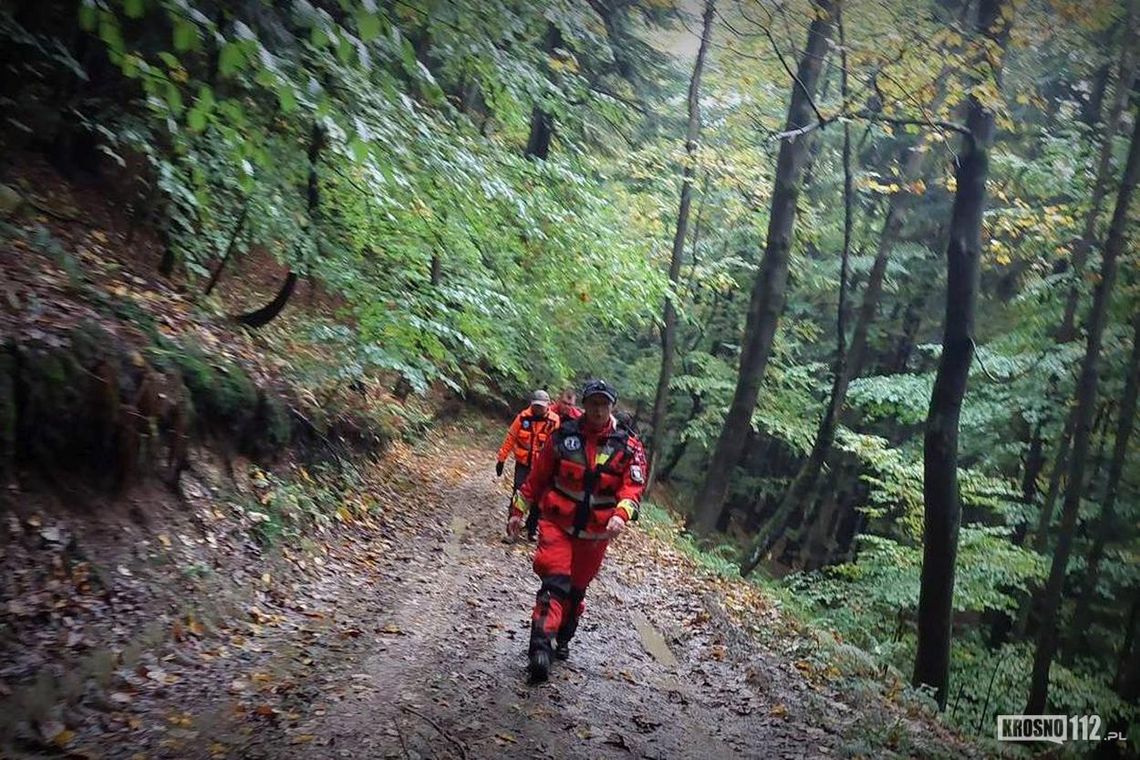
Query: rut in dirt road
x=656, y=669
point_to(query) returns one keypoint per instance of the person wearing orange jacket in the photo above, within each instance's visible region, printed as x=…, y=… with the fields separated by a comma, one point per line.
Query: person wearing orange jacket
x=587, y=482
x=526, y=436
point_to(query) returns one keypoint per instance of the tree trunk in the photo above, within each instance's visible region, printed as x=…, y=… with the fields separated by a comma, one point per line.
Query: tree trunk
x=669, y=318
x=1126, y=684
x=1056, y=478
x=892, y=225
x=267, y=313
x=217, y=275
x=912, y=323
x=1034, y=464
x=803, y=484
x=436, y=268
x=768, y=290
x=666, y=470
x=942, y=507
x=1001, y=622
x=1126, y=72
x=1107, y=523
x=1046, y=643
x=541, y=120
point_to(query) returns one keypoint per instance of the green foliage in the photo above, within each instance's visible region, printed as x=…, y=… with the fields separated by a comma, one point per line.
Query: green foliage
x=225, y=109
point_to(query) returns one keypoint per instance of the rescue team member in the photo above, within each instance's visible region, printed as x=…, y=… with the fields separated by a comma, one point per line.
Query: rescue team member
x=525, y=438
x=566, y=407
x=587, y=482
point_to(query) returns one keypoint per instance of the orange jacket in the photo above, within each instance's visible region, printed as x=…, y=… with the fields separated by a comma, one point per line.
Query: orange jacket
x=526, y=436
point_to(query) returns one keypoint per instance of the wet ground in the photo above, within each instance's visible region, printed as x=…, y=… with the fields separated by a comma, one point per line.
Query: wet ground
x=408, y=639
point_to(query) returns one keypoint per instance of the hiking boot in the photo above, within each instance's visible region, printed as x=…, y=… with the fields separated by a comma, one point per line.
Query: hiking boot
x=539, y=666
x=562, y=651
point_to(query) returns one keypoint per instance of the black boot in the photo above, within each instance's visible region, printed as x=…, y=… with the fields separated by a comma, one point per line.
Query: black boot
x=539, y=665
x=532, y=523
x=569, y=623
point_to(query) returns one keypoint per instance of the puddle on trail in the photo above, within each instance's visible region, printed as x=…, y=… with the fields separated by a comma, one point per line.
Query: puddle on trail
x=458, y=528
x=652, y=640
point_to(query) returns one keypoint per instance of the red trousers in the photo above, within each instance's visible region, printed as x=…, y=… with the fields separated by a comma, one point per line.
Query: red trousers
x=566, y=566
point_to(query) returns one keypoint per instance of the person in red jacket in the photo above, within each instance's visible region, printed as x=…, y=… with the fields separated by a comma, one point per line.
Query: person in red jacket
x=587, y=482
x=565, y=407
x=526, y=436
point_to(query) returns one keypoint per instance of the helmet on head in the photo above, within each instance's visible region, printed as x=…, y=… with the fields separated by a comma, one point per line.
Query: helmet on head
x=596, y=387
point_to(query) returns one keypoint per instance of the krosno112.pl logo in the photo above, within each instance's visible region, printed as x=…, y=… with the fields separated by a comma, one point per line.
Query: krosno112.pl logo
x=1053, y=728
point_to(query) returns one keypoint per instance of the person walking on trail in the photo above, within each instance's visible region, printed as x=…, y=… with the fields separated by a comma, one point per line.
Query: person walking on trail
x=587, y=482
x=566, y=407
x=526, y=436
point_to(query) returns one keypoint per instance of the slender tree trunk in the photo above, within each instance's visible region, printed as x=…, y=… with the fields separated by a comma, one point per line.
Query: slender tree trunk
x=267, y=313
x=1034, y=464
x=436, y=269
x=678, y=451
x=541, y=120
x=1126, y=684
x=769, y=288
x=942, y=507
x=897, y=207
x=1046, y=643
x=803, y=484
x=1001, y=623
x=1107, y=526
x=1126, y=72
x=238, y=227
x=1041, y=535
x=669, y=318
x=911, y=325
x=1056, y=479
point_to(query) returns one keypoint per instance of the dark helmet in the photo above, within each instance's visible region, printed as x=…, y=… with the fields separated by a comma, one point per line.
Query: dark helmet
x=593, y=387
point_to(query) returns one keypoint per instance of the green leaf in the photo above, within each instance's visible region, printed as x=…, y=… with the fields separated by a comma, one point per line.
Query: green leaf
x=173, y=98
x=359, y=149
x=368, y=25
x=88, y=16
x=408, y=54
x=231, y=59
x=170, y=60
x=196, y=119
x=111, y=35
x=344, y=49
x=206, y=98
x=133, y=8
x=185, y=35
x=287, y=98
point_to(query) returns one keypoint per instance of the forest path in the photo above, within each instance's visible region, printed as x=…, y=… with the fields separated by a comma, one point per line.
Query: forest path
x=400, y=631
x=657, y=669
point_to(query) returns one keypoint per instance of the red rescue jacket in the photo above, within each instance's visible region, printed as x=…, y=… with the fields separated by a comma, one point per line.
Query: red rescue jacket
x=567, y=411
x=583, y=477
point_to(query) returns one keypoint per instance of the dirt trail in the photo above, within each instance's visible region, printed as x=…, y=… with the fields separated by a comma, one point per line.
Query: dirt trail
x=656, y=669
x=405, y=637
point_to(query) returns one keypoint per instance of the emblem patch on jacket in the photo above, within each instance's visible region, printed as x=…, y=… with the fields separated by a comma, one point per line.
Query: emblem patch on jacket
x=572, y=443
x=636, y=475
